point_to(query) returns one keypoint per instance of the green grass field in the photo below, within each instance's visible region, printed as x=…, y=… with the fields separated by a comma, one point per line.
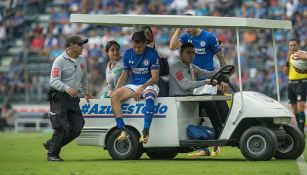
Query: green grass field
x=22, y=153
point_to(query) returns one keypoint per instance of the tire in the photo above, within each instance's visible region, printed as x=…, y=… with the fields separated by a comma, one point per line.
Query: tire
x=292, y=146
x=258, y=143
x=164, y=153
x=129, y=149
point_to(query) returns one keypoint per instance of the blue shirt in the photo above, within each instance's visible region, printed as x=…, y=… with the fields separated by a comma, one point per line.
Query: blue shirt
x=206, y=46
x=140, y=66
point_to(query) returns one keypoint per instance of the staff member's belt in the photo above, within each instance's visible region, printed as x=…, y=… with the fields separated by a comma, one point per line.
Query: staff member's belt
x=298, y=81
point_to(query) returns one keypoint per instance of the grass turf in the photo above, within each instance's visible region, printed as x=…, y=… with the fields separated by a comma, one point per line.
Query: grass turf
x=22, y=153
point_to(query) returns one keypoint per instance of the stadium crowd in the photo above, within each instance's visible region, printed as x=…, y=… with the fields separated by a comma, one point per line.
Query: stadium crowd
x=42, y=40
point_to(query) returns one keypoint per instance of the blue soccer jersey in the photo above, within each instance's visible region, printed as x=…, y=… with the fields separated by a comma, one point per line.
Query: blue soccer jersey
x=140, y=66
x=206, y=46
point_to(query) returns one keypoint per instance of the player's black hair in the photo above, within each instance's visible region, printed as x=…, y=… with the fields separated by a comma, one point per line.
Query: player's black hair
x=138, y=37
x=185, y=46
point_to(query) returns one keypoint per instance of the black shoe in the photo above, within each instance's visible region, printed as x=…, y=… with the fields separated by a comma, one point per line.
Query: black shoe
x=54, y=158
x=46, y=145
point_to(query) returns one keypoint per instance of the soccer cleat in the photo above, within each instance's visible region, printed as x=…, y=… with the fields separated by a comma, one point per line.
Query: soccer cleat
x=216, y=151
x=144, y=138
x=201, y=152
x=54, y=158
x=123, y=136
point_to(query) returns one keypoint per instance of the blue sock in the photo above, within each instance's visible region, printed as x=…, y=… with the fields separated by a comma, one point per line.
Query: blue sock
x=149, y=112
x=120, y=123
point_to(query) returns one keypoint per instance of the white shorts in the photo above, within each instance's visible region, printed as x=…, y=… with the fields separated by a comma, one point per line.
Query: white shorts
x=135, y=87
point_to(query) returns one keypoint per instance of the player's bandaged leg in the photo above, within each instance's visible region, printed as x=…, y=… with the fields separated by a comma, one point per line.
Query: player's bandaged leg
x=149, y=112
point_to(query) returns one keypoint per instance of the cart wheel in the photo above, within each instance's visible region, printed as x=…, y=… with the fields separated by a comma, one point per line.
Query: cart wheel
x=162, y=153
x=258, y=143
x=292, y=146
x=129, y=149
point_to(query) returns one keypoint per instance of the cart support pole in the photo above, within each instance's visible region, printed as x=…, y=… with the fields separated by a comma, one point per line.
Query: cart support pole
x=276, y=68
x=239, y=66
x=240, y=75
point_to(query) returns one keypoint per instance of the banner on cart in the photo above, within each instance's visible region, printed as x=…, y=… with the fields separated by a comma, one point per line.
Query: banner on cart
x=136, y=110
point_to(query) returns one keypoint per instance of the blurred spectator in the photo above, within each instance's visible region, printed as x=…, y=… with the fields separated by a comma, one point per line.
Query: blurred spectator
x=291, y=6
x=37, y=43
x=8, y=116
x=2, y=32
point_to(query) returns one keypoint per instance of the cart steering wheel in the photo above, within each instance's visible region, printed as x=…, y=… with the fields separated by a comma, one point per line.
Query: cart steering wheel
x=223, y=75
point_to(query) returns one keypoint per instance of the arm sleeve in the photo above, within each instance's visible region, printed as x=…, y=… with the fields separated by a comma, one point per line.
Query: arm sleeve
x=183, y=38
x=84, y=80
x=182, y=79
x=202, y=73
x=55, y=77
x=126, y=61
x=214, y=44
x=155, y=62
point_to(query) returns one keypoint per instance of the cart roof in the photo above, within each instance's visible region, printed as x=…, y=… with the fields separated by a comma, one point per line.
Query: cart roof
x=180, y=21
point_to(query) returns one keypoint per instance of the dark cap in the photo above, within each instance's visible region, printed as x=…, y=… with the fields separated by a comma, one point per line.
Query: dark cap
x=139, y=37
x=75, y=39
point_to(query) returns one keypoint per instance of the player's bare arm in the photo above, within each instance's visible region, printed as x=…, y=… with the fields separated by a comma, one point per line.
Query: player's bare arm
x=221, y=58
x=174, y=43
x=122, y=79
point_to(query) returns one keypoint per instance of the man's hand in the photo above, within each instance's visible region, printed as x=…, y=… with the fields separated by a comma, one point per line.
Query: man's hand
x=223, y=86
x=72, y=92
x=138, y=93
x=300, y=55
x=87, y=97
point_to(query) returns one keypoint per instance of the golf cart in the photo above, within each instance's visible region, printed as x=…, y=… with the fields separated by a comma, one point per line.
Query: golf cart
x=258, y=125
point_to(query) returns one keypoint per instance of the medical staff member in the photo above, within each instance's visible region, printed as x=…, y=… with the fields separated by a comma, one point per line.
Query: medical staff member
x=68, y=81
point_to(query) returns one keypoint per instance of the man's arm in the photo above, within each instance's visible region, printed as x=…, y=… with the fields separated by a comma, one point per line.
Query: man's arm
x=221, y=58
x=55, y=77
x=174, y=43
x=202, y=73
x=183, y=81
x=84, y=81
x=154, y=78
x=122, y=79
x=286, y=67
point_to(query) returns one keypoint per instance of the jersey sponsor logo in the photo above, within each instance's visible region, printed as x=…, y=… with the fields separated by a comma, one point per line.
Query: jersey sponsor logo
x=55, y=72
x=179, y=76
x=134, y=111
x=140, y=70
x=200, y=51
